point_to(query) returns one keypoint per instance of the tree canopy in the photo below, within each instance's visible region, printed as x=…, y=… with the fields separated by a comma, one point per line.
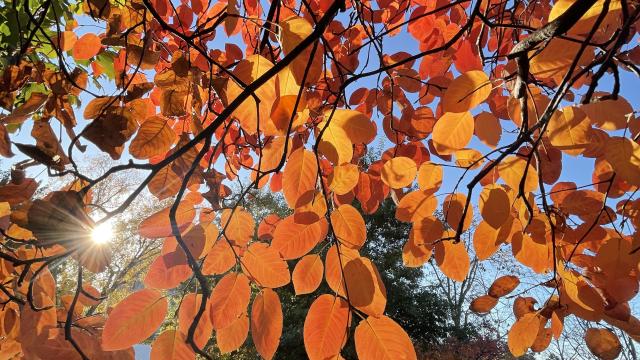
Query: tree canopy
x=506, y=125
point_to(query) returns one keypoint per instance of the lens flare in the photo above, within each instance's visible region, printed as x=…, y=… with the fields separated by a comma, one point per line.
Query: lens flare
x=102, y=233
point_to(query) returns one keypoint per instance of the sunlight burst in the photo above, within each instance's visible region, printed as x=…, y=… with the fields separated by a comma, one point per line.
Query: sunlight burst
x=102, y=233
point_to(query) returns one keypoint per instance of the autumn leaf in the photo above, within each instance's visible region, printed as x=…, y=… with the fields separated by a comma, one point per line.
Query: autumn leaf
x=265, y=266
x=86, y=47
x=348, y=226
x=382, y=338
x=523, y=333
x=154, y=137
x=266, y=323
x=307, y=274
x=603, y=343
x=134, y=319
x=452, y=132
x=233, y=336
x=229, y=299
x=326, y=326
x=399, y=172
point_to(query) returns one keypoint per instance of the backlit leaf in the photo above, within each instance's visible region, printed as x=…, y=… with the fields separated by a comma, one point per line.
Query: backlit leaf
x=264, y=265
x=326, y=327
x=466, y=92
x=452, y=132
x=399, y=172
x=134, y=319
x=382, y=338
x=229, y=299
x=266, y=323
x=307, y=274
x=154, y=137
x=348, y=226
x=233, y=336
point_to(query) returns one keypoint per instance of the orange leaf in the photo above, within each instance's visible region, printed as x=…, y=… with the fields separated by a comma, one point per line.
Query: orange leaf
x=87, y=46
x=219, y=259
x=512, y=170
x=307, y=274
x=543, y=339
x=233, y=336
x=238, y=225
x=254, y=107
x=382, y=338
x=295, y=240
x=326, y=327
x=364, y=286
x=344, y=178
x=264, y=265
x=429, y=176
x=569, y=130
x=488, y=129
x=523, y=333
x=335, y=143
x=414, y=254
x=603, y=343
x=416, y=206
x=168, y=271
x=609, y=114
x=452, y=259
x=294, y=30
x=165, y=183
x=229, y=299
x=158, y=224
x=427, y=231
x=452, y=132
x=348, y=226
x=358, y=127
x=624, y=156
x=495, y=206
x=154, y=137
x=486, y=240
x=134, y=319
x=530, y=251
x=266, y=323
x=334, y=266
x=299, y=178
x=466, y=92
x=483, y=304
x=399, y=172
x=503, y=285
x=189, y=307
x=453, y=207
x=171, y=344
x=557, y=324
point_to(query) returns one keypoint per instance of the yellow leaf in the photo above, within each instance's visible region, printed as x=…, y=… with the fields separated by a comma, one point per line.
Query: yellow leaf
x=624, y=156
x=466, y=92
x=569, y=130
x=512, y=170
x=452, y=132
x=294, y=30
x=399, y=172
x=523, y=333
